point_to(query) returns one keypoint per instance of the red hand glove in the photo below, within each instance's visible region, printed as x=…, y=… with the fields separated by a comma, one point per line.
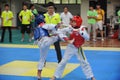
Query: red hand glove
x=66, y=38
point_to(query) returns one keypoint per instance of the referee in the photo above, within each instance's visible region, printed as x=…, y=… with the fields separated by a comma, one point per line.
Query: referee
x=53, y=18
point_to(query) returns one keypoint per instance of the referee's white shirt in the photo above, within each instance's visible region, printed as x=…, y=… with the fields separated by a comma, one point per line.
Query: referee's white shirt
x=66, y=18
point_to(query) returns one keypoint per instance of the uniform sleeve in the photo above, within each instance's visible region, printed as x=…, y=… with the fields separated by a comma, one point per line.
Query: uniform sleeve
x=96, y=14
x=44, y=14
x=11, y=15
x=62, y=35
x=103, y=12
x=35, y=12
x=45, y=17
x=71, y=16
x=66, y=30
x=118, y=13
x=59, y=19
x=2, y=15
x=31, y=14
x=61, y=15
x=49, y=26
x=20, y=14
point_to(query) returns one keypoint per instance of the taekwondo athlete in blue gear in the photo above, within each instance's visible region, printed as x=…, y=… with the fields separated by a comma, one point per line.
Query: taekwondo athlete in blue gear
x=43, y=40
x=40, y=32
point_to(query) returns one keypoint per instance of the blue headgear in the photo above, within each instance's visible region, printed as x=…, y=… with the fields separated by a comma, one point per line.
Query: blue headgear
x=40, y=19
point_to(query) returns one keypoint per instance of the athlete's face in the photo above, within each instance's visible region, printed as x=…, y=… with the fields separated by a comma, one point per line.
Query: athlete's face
x=73, y=23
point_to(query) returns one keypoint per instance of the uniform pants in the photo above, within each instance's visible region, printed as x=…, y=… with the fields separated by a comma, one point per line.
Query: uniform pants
x=70, y=51
x=44, y=45
x=58, y=51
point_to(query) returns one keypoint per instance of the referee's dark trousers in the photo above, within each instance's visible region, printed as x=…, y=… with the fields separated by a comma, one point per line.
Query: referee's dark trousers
x=58, y=51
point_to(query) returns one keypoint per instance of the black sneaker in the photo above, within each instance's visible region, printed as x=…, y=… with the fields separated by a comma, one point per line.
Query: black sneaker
x=39, y=79
x=1, y=41
x=93, y=78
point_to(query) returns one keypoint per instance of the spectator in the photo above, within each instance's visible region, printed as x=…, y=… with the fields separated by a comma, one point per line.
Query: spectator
x=0, y=22
x=25, y=16
x=118, y=13
x=35, y=13
x=66, y=16
x=92, y=15
x=7, y=17
x=0, y=10
x=100, y=20
x=53, y=18
x=33, y=22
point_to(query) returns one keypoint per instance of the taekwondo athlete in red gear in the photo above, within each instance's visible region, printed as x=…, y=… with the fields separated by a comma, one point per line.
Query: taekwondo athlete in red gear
x=78, y=35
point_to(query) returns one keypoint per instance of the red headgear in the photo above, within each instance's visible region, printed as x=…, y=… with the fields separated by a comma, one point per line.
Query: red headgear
x=78, y=20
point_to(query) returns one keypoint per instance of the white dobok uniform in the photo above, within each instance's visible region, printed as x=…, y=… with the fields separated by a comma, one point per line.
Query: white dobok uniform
x=73, y=50
x=44, y=44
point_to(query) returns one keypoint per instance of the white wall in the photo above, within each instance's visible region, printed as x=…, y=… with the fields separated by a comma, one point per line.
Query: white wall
x=84, y=9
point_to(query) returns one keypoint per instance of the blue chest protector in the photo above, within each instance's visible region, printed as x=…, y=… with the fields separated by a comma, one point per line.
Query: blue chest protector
x=40, y=32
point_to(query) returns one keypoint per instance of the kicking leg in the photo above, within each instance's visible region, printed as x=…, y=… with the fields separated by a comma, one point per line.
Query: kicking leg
x=44, y=44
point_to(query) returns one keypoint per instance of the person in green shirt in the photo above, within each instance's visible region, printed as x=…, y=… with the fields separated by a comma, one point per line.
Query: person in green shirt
x=33, y=22
x=26, y=16
x=92, y=15
x=35, y=13
x=118, y=13
x=7, y=17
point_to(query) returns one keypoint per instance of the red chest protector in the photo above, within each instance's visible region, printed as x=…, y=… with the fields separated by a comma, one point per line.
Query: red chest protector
x=79, y=40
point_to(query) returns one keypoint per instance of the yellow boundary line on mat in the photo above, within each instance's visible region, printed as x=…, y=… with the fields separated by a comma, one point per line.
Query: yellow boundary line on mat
x=63, y=47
